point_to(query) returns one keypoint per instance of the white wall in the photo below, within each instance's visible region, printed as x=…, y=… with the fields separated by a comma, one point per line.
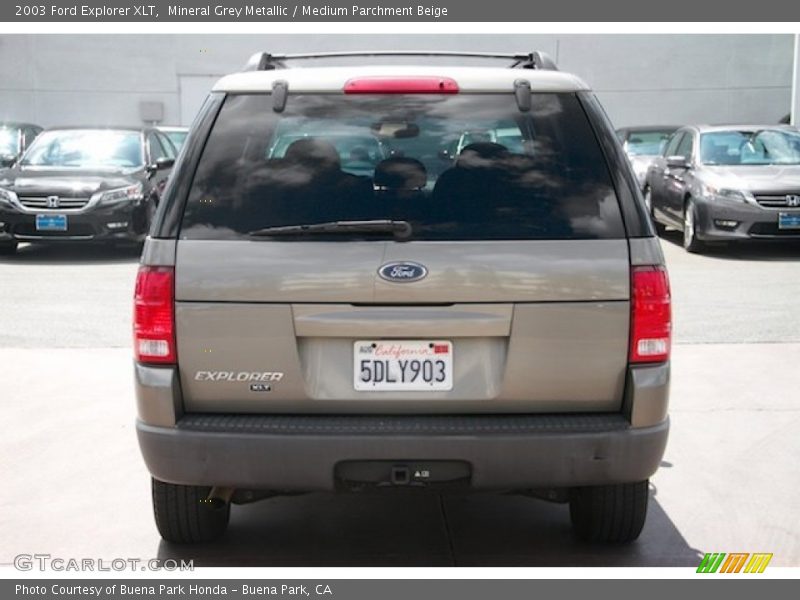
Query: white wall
x=100, y=79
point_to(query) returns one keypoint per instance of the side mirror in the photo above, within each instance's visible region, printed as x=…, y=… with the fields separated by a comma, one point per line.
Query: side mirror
x=160, y=164
x=164, y=163
x=7, y=160
x=678, y=162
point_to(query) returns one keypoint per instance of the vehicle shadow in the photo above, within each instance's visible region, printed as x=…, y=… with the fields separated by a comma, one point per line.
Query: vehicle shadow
x=766, y=251
x=424, y=529
x=54, y=254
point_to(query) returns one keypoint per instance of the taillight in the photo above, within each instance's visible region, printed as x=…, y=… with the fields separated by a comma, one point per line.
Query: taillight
x=401, y=85
x=651, y=319
x=154, y=315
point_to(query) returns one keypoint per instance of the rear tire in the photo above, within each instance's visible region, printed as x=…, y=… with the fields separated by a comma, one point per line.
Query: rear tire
x=609, y=513
x=184, y=515
x=7, y=249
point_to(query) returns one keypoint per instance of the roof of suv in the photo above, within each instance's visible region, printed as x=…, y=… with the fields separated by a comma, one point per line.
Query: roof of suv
x=332, y=79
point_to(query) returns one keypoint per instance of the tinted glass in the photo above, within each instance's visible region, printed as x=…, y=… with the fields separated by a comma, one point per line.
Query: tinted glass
x=86, y=148
x=9, y=141
x=156, y=149
x=167, y=144
x=685, y=147
x=177, y=138
x=647, y=142
x=456, y=167
x=764, y=147
x=29, y=135
x=672, y=145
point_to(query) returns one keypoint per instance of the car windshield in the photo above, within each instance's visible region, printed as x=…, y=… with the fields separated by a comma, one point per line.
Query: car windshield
x=760, y=147
x=647, y=143
x=453, y=167
x=86, y=148
x=9, y=141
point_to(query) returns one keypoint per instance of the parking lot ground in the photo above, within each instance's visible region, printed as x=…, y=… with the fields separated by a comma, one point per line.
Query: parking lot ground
x=75, y=486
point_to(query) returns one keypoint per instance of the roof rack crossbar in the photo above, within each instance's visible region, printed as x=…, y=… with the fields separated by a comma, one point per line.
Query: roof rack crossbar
x=265, y=61
x=535, y=60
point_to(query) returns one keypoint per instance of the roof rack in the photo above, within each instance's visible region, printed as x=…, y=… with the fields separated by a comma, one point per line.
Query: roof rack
x=265, y=61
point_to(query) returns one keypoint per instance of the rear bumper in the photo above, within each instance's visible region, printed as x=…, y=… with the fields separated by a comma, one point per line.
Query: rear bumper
x=301, y=453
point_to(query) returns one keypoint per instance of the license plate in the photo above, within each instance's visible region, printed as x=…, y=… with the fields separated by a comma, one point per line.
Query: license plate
x=788, y=220
x=402, y=365
x=51, y=222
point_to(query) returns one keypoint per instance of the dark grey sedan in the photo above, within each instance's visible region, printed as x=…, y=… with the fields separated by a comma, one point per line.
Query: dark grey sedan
x=726, y=183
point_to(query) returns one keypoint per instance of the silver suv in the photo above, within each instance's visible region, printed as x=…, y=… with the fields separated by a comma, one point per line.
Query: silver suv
x=331, y=298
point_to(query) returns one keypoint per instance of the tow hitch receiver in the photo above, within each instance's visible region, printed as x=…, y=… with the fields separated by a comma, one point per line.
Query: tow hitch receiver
x=383, y=474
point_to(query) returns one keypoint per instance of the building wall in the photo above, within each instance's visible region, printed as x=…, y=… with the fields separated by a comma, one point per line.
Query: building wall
x=101, y=79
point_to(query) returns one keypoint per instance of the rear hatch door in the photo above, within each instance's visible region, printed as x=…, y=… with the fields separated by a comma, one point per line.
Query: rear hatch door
x=517, y=268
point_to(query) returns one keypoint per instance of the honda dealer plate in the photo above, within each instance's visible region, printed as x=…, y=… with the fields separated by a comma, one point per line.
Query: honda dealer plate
x=789, y=220
x=402, y=365
x=51, y=222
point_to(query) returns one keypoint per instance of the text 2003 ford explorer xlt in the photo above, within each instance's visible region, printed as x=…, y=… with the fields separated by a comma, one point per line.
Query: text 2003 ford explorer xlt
x=382, y=277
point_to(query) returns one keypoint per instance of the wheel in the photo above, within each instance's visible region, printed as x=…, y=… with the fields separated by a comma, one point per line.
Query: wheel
x=690, y=241
x=609, y=513
x=648, y=202
x=184, y=515
x=7, y=248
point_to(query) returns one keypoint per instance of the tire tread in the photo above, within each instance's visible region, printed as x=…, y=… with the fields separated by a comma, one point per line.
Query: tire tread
x=609, y=513
x=182, y=517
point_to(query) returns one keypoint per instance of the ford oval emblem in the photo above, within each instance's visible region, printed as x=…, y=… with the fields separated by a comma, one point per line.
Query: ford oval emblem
x=402, y=272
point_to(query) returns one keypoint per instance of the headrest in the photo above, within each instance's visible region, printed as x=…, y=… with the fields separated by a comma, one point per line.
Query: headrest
x=313, y=152
x=481, y=154
x=400, y=173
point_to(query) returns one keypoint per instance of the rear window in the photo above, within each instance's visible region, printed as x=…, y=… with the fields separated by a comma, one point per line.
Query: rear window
x=647, y=143
x=456, y=167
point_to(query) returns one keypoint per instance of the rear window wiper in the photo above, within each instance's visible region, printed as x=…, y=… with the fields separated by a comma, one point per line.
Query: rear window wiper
x=400, y=229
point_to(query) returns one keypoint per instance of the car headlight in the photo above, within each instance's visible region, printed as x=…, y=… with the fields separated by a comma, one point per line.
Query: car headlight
x=726, y=194
x=7, y=198
x=131, y=193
